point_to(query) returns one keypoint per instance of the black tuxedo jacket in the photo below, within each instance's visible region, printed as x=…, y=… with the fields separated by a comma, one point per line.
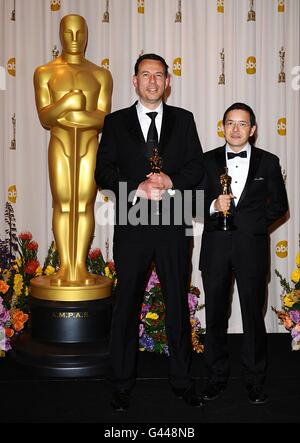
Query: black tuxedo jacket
x=263, y=200
x=121, y=158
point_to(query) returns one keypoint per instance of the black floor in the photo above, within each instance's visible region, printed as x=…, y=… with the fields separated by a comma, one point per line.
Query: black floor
x=28, y=398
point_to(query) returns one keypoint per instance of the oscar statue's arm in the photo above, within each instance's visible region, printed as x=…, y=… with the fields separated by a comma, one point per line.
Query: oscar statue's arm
x=93, y=119
x=49, y=112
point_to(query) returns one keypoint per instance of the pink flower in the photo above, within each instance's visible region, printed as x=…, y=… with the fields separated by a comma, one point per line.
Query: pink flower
x=153, y=280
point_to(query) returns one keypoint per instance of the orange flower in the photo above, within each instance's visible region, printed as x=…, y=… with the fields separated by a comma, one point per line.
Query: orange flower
x=3, y=287
x=19, y=316
x=18, y=326
x=9, y=332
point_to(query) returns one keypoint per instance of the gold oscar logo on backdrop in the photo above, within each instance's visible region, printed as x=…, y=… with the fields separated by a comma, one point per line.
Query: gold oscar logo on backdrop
x=251, y=65
x=140, y=6
x=220, y=6
x=11, y=66
x=220, y=131
x=12, y=193
x=177, y=66
x=105, y=63
x=55, y=5
x=282, y=249
x=281, y=126
x=280, y=5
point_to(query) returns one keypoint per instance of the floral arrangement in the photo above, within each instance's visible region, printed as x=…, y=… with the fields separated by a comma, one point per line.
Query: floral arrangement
x=152, y=334
x=289, y=315
x=19, y=264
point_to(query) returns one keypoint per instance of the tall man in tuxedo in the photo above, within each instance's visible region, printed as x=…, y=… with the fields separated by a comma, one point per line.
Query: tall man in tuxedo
x=124, y=159
x=257, y=199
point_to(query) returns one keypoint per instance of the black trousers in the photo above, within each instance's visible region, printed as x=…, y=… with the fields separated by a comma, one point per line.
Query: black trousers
x=132, y=260
x=233, y=255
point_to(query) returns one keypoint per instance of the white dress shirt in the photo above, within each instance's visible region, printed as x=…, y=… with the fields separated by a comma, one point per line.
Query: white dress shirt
x=238, y=169
x=145, y=120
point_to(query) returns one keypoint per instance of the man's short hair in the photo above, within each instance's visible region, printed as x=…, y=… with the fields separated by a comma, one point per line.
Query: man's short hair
x=150, y=57
x=243, y=107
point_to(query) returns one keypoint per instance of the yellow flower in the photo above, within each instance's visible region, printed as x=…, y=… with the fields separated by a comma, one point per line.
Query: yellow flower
x=288, y=300
x=18, y=284
x=49, y=270
x=26, y=291
x=107, y=271
x=295, y=275
x=38, y=271
x=18, y=263
x=152, y=315
x=298, y=259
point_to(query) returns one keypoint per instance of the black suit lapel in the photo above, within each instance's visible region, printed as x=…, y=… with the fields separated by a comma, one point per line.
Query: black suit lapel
x=220, y=161
x=168, y=122
x=254, y=163
x=134, y=126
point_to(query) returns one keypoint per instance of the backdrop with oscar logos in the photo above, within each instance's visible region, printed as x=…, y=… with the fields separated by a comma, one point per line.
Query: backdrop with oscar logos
x=219, y=52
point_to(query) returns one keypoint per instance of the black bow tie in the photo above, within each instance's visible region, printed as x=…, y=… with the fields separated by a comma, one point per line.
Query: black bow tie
x=231, y=155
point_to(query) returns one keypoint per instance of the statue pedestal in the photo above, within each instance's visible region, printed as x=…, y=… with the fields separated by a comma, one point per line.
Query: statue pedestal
x=67, y=338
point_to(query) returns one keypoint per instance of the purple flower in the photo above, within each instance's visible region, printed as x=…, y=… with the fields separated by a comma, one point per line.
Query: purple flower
x=141, y=329
x=295, y=316
x=4, y=341
x=153, y=280
x=193, y=301
x=4, y=314
x=147, y=342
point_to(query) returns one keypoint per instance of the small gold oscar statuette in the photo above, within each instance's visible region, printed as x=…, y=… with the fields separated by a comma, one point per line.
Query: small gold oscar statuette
x=105, y=18
x=13, y=143
x=251, y=12
x=13, y=13
x=225, y=219
x=222, y=76
x=178, y=17
x=281, y=76
x=156, y=165
x=55, y=52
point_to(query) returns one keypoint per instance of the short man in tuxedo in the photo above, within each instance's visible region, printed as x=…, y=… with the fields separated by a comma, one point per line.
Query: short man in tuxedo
x=256, y=200
x=125, y=157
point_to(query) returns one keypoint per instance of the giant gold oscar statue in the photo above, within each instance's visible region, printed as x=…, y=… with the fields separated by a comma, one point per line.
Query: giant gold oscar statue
x=71, y=310
x=73, y=96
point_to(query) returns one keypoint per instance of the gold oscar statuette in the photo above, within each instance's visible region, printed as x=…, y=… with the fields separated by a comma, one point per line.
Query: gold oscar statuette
x=55, y=52
x=222, y=76
x=225, y=219
x=251, y=12
x=178, y=17
x=156, y=166
x=281, y=76
x=13, y=143
x=73, y=95
x=13, y=13
x=105, y=18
